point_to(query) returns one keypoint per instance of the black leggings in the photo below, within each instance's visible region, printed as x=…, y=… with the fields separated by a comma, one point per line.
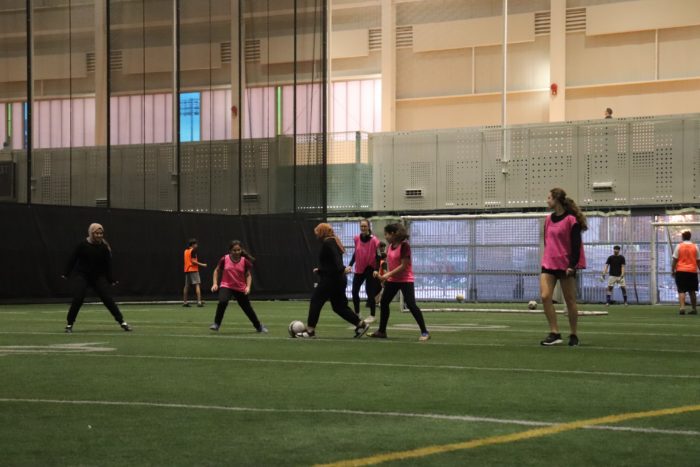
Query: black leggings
x=101, y=287
x=409, y=298
x=225, y=295
x=332, y=289
x=357, y=281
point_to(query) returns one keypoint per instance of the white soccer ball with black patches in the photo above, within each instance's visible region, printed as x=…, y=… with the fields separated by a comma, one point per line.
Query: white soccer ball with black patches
x=296, y=327
x=532, y=305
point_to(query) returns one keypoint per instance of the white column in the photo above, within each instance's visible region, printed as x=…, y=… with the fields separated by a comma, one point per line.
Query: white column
x=236, y=62
x=388, y=65
x=557, y=60
x=101, y=57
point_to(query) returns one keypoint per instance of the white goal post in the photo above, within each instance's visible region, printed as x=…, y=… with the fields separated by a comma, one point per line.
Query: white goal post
x=654, y=266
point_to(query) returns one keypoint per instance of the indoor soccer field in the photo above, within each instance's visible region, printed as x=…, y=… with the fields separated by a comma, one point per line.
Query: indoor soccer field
x=482, y=391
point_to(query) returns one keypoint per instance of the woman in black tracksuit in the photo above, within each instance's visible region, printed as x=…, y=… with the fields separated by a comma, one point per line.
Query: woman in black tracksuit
x=331, y=285
x=92, y=262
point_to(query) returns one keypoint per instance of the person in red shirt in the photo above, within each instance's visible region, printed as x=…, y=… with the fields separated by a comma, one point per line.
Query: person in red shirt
x=234, y=269
x=192, y=273
x=399, y=277
x=686, y=261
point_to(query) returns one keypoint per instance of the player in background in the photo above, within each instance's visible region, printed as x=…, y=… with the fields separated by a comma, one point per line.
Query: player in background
x=616, y=263
x=686, y=261
x=365, y=261
x=563, y=256
x=236, y=280
x=192, y=273
x=399, y=277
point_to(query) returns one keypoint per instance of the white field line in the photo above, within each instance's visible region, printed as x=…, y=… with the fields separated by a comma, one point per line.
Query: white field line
x=400, y=365
x=459, y=418
x=250, y=335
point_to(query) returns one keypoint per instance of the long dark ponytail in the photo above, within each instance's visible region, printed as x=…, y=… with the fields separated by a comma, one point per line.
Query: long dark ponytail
x=569, y=206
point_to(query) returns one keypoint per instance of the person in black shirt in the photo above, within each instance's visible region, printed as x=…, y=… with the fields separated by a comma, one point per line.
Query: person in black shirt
x=92, y=262
x=616, y=262
x=331, y=285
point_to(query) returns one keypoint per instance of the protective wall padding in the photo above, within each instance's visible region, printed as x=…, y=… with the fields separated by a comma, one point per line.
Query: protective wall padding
x=148, y=249
x=641, y=161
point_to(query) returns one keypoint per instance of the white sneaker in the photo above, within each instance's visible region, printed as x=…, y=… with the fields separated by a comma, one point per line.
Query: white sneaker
x=369, y=319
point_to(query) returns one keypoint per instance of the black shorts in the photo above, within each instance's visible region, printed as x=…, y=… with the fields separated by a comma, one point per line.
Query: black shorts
x=558, y=273
x=686, y=281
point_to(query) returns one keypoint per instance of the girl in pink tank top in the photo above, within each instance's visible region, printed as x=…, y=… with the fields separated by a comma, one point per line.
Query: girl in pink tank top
x=563, y=255
x=399, y=277
x=234, y=270
x=365, y=261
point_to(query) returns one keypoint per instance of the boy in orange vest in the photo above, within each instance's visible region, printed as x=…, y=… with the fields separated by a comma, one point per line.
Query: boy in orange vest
x=192, y=273
x=686, y=261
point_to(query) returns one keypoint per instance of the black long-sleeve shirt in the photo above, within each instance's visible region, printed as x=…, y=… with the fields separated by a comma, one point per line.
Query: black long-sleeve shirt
x=92, y=260
x=575, y=239
x=330, y=260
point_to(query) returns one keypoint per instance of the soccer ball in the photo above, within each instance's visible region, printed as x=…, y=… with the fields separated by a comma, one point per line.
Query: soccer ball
x=531, y=305
x=459, y=298
x=296, y=327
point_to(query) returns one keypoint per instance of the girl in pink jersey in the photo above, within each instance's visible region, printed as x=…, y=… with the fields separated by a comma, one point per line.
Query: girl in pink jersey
x=563, y=255
x=365, y=261
x=235, y=282
x=398, y=277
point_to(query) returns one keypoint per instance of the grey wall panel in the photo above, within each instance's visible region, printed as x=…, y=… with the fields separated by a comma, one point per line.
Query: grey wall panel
x=381, y=153
x=459, y=166
x=604, y=158
x=415, y=171
x=224, y=177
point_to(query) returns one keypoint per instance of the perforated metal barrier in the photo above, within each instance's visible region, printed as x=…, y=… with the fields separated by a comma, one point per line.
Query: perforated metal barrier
x=601, y=163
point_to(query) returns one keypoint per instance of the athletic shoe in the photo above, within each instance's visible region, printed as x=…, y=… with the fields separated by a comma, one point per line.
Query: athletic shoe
x=69, y=328
x=214, y=327
x=573, y=340
x=306, y=334
x=424, y=336
x=681, y=312
x=262, y=329
x=625, y=303
x=552, y=339
x=607, y=304
x=200, y=305
x=377, y=335
x=186, y=305
x=361, y=329
x=694, y=312
x=125, y=326
x=369, y=319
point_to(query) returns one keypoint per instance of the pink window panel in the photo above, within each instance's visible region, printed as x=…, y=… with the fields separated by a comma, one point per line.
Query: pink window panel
x=259, y=118
x=215, y=113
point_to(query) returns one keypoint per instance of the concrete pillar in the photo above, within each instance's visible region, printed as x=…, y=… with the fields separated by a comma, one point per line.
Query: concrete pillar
x=557, y=60
x=236, y=62
x=388, y=65
x=101, y=58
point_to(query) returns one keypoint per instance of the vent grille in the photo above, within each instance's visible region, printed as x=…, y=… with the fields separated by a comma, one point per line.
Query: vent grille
x=116, y=63
x=375, y=39
x=413, y=193
x=576, y=20
x=404, y=37
x=225, y=52
x=90, y=62
x=543, y=23
x=252, y=50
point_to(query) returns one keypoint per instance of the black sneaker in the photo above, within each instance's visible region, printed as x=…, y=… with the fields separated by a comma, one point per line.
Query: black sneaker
x=200, y=304
x=552, y=339
x=694, y=312
x=573, y=340
x=361, y=329
x=186, y=305
x=681, y=312
x=125, y=326
x=69, y=328
x=377, y=335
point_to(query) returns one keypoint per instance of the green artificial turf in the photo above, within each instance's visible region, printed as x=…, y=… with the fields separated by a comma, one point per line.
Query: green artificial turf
x=174, y=393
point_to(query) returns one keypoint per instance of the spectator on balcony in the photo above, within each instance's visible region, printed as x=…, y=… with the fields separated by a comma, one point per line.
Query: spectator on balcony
x=608, y=113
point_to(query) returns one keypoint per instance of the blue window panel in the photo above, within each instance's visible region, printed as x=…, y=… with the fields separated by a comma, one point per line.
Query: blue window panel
x=190, y=119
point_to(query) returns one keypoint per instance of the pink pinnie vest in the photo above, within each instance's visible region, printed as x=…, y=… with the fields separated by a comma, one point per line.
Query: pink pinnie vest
x=557, y=244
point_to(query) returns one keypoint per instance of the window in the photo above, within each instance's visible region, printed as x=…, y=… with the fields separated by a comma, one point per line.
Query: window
x=190, y=120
